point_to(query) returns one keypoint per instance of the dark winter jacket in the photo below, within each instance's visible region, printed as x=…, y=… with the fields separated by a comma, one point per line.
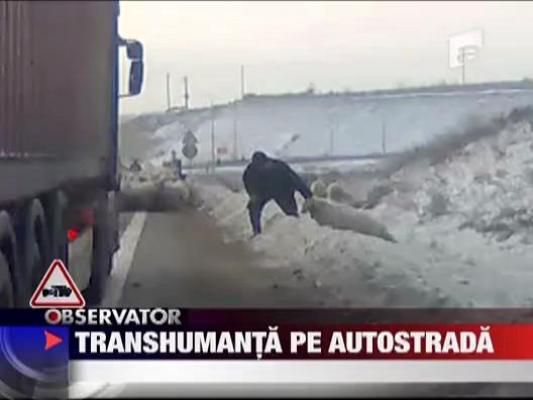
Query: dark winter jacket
x=267, y=178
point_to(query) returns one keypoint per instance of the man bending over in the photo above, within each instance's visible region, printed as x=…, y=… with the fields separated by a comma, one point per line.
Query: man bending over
x=268, y=179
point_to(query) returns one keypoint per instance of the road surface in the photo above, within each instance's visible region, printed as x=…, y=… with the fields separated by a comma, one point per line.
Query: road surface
x=181, y=260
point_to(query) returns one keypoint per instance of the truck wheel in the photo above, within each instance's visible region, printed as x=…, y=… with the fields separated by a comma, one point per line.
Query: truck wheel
x=56, y=206
x=113, y=228
x=37, y=267
x=7, y=294
x=9, y=264
x=102, y=251
x=35, y=250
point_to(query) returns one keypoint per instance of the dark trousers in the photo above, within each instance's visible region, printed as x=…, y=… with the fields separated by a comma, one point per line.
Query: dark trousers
x=255, y=208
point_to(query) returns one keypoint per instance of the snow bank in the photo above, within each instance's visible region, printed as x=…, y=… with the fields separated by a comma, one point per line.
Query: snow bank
x=474, y=212
x=154, y=189
x=486, y=186
x=329, y=254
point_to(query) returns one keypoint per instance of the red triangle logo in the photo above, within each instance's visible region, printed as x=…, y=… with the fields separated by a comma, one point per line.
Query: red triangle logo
x=57, y=289
x=51, y=340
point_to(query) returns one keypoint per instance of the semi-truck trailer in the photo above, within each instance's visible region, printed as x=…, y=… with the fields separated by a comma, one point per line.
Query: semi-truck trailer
x=59, y=95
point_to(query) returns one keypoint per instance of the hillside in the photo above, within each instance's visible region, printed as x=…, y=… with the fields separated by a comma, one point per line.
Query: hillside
x=340, y=124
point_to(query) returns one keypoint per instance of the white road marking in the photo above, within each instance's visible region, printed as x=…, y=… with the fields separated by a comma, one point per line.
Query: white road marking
x=123, y=259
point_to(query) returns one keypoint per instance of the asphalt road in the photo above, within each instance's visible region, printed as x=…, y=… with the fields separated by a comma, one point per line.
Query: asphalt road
x=181, y=260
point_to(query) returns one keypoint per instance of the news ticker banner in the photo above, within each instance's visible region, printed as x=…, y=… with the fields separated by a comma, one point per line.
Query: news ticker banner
x=56, y=353
x=48, y=339
x=57, y=347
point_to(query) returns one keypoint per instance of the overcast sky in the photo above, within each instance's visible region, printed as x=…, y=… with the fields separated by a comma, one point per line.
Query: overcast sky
x=285, y=46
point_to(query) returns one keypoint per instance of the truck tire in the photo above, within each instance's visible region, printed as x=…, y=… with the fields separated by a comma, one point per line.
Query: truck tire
x=35, y=245
x=9, y=264
x=102, y=256
x=56, y=206
x=7, y=293
x=36, y=266
x=113, y=219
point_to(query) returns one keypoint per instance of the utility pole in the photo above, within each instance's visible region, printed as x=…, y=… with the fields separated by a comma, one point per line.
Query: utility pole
x=186, y=92
x=463, y=67
x=242, y=82
x=383, y=137
x=331, y=137
x=213, y=155
x=169, y=101
x=333, y=124
x=235, y=155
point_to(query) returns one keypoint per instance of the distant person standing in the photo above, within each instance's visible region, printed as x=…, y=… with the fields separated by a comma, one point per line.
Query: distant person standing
x=135, y=166
x=268, y=179
x=176, y=164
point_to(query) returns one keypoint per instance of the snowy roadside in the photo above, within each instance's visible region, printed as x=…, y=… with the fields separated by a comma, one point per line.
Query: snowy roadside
x=464, y=228
x=471, y=218
x=360, y=270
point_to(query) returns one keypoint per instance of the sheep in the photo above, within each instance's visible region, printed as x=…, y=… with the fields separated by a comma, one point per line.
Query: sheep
x=342, y=217
x=319, y=189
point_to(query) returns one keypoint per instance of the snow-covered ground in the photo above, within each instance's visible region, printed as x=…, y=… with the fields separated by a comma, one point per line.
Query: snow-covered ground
x=464, y=228
x=471, y=216
x=335, y=124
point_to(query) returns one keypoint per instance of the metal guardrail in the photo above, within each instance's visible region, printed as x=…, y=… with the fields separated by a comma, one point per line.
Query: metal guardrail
x=294, y=160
